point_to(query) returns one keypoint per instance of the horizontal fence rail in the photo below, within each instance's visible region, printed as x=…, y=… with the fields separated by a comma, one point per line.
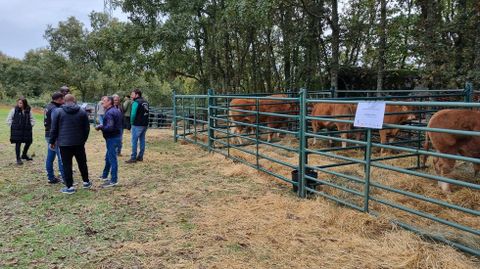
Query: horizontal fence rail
x=390, y=172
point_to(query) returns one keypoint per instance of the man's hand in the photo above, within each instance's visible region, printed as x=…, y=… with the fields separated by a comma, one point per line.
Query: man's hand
x=52, y=146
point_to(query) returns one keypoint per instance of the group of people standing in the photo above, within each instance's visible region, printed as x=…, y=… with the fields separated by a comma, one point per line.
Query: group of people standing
x=67, y=129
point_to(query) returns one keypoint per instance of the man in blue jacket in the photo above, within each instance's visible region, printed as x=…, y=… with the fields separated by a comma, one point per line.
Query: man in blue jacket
x=112, y=132
x=70, y=129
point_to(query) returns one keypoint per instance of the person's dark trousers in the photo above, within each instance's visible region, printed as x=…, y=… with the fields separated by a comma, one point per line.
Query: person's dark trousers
x=67, y=154
x=111, y=161
x=120, y=145
x=18, y=148
x=126, y=123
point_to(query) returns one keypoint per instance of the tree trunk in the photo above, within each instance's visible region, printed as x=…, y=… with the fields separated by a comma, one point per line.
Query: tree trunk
x=407, y=35
x=476, y=62
x=382, y=45
x=335, y=48
x=460, y=41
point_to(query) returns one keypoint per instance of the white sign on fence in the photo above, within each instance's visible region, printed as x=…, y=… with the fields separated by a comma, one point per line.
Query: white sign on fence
x=370, y=115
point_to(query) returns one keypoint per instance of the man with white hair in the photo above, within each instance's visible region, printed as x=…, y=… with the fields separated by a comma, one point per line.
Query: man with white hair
x=118, y=105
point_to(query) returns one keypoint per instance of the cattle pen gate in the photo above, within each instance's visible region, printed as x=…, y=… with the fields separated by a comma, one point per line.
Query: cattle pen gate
x=396, y=185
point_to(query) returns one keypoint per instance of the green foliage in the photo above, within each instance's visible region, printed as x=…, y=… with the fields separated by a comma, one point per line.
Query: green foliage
x=250, y=46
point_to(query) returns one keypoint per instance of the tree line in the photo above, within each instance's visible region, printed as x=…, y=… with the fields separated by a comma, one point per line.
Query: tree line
x=257, y=46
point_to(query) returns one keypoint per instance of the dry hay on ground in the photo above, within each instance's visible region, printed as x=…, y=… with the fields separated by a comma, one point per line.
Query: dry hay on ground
x=464, y=197
x=242, y=219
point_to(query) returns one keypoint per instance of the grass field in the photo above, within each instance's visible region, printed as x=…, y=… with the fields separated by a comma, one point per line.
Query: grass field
x=185, y=208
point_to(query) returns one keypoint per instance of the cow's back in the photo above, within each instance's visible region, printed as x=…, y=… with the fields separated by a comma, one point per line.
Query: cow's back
x=241, y=104
x=454, y=119
x=322, y=110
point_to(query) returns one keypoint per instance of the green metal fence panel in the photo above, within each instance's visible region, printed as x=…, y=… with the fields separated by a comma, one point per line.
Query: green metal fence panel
x=347, y=175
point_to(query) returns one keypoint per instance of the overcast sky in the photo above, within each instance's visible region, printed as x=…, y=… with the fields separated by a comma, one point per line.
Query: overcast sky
x=23, y=22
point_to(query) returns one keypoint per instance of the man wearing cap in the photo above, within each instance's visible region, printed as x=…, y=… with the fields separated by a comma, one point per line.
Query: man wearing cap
x=57, y=101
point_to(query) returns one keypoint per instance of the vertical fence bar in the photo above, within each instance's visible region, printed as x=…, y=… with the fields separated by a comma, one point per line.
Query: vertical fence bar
x=228, y=126
x=195, y=119
x=468, y=92
x=257, y=135
x=301, y=140
x=419, y=134
x=305, y=125
x=184, y=119
x=368, y=155
x=211, y=131
x=175, y=130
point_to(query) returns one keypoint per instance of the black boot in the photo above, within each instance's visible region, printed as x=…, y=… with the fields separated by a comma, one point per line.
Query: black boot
x=25, y=157
x=19, y=162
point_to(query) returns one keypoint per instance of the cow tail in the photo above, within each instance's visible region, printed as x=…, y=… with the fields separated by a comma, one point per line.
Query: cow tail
x=426, y=146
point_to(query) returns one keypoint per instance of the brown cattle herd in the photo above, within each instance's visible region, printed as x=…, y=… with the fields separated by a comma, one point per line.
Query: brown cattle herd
x=244, y=110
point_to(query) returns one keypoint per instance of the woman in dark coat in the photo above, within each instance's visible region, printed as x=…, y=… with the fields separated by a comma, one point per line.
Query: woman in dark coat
x=21, y=122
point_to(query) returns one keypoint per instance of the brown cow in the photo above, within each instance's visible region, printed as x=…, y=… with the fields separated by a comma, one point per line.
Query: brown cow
x=388, y=135
x=242, y=104
x=330, y=109
x=464, y=145
x=264, y=105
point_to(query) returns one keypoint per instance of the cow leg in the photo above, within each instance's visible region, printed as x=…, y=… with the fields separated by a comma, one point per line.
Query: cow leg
x=435, y=165
x=391, y=140
x=238, y=131
x=314, y=130
x=344, y=136
x=270, y=137
x=383, y=140
x=476, y=169
x=445, y=166
x=358, y=136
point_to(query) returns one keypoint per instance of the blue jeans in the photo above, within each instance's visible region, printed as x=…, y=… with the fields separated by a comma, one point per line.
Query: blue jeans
x=100, y=119
x=138, y=134
x=111, y=162
x=51, y=154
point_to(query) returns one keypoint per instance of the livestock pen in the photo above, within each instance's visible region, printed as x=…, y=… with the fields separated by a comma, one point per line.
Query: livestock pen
x=398, y=186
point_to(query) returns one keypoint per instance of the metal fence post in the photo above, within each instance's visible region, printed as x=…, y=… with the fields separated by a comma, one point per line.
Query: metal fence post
x=468, y=92
x=174, y=120
x=301, y=140
x=229, y=134
x=368, y=155
x=257, y=136
x=333, y=92
x=195, y=119
x=211, y=120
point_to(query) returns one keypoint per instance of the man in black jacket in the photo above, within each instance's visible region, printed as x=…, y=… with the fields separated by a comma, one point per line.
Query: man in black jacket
x=57, y=101
x=70, y=130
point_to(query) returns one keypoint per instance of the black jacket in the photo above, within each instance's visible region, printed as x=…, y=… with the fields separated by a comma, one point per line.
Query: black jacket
x=47, y=117
x=142, y=113
x=70, y=126
x=21, y=129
